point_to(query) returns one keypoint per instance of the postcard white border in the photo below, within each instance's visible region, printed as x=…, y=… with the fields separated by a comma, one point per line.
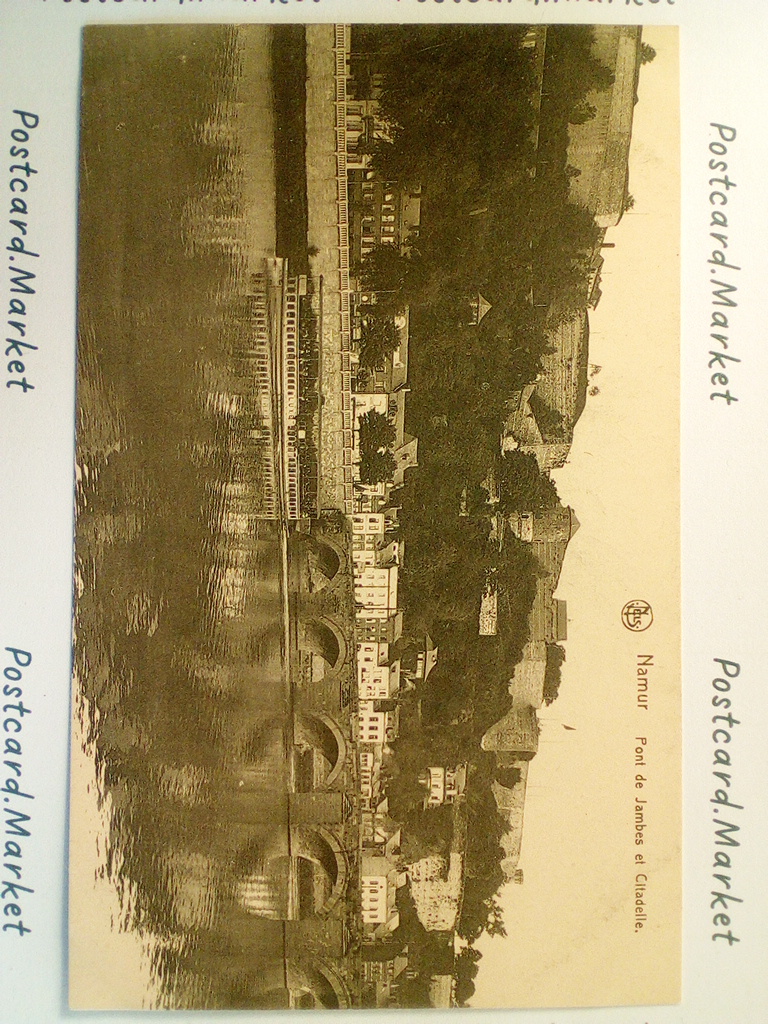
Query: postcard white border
x=724, y=79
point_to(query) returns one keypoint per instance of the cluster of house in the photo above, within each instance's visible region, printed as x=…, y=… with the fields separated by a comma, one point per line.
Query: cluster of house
x=435, y=882
x=380, y=213
x=540, y=422
x=385, y=212
x=381, y=680
x=374, y=219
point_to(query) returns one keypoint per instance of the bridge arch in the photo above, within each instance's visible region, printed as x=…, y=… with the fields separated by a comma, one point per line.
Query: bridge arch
x=320, y=733
x=318, y=986
x=307, y=879
x=305, y=984
x=321, y=847
x=327, y=561
x=323, y=637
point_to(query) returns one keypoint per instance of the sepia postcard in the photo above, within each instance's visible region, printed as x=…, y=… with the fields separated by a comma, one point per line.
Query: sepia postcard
x=377, y=625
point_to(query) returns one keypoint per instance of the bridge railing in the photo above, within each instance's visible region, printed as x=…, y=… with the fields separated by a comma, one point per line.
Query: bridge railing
x=342, y=42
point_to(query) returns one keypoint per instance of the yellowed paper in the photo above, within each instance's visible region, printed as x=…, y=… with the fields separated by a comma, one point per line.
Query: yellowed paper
x=377, y=630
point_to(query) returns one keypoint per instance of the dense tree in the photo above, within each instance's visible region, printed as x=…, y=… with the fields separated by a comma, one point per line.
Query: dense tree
x=431, y=100
x=487, y=222
x=427, y=832
x=465, y=968
x=481, y=913
x=552, y=676
x=571, y=71
x=376, y=466
x=377, y=435
x=394, y=276
x=379, y=339
x=647, y=53
x=376, y=431
x=524, y=488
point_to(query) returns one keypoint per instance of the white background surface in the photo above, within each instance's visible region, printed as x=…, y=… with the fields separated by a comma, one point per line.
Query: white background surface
x=724, y=78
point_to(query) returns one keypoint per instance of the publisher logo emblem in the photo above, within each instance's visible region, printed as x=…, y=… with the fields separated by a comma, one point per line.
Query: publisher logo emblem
x=637, y=615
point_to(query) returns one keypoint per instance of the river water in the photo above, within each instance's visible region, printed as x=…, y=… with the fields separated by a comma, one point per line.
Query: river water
x=177, y=617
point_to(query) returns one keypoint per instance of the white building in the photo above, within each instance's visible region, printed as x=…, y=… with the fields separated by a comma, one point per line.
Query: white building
x=368, y=529
x=366, y=524
x=446, y=785
x=376, y=591
x=371, y=724
x=373, y=898
x=372, y=652
x=369, y=545
x=379, y=882
x=424, y=661
x=369, y=776
x=378, y=682
x=374, y=628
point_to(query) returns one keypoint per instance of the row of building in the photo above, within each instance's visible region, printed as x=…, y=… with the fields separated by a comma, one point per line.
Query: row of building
x=379, y=214
x=383, y=212
x=540, y=422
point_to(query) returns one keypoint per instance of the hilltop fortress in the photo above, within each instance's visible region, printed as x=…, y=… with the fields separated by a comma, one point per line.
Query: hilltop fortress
x=541, y=417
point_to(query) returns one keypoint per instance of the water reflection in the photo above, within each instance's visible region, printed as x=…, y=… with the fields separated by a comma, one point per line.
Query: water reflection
x=178, y=647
